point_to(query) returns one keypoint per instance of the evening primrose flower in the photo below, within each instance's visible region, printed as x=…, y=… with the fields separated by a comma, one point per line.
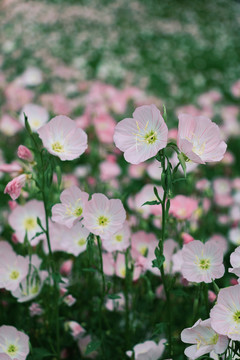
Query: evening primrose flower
x=204, y=340
x=225, y=315
x=202, y=262
x=37, y=116
x=199, y=139
x=13, y=269
x=148, y=350
x=71, y=208
x=15, y=186
x=62, y=138
x=75, y=239
x=103, y=216
x=141, y=137
x=13, y=343
x=119, y=241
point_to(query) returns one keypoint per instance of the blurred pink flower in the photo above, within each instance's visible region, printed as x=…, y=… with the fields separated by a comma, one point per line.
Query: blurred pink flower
x=104, y=126
x=62, y=138
x=37, y=116
x=119, y=241
x=236, y=89
x=24, y=153
x=147, y=350
x=183, y=207
x=142, y=136
x=202, y=262
x=199, y=139
x=225, y=315
x=204, y=338
x=9, y=126
x=35, y=309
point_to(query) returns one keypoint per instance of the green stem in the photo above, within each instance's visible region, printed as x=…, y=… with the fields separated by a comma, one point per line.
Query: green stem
x=102, y=294
x=126, y=290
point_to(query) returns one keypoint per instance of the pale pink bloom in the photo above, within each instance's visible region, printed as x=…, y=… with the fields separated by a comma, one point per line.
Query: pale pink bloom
x=75, y=239
x=109, y=170
x=225, y=315
x=147, y=194
x=120, y=268
x=219, y=241
x=231, y=126
x=104, y=126
x=103, y=216
x=199, y=139
x=177, y=262
x=234, y=235
x=223, y=219
x=58, y=234
x=223, y=200
x=9, y=126
x=82, y=121
x=75, y=328
x=143, y=136
x=70, y=211
x=116, y=304
x=24, y=153
x=69, y=300
x=137, y=171
x=108, y=264
x=15, y=186
x=5, y=248
x=32, y=76
x=57, y=103
x=17, y=96
x=209, y=98
x=203, y=185
x=211, y=296
x=36, y=114
x=66, y=267
x=143, y=242
x=24, y=219
x=13, y=343
x=204, y=340
x=12, y=204
x=235, y=213
x=222, y=186
x=172, y=134
x=83, y=343
x=35, y=309
x=187, y=238
x=235, y=262
x=236, y=89
x=30, y=287
x=13, y=168
x=148, y=350
x=228, y=158
x=62, y=138
x=236, y=183
x=202, y=262
x=13, y=269
x=154, y=170
x=183, y=207
x=119, y=241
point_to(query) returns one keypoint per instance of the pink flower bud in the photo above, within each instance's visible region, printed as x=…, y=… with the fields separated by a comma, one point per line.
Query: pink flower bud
x=24, y=153
x=14, y=187
x=211, y=296
x=66, y=267
x=12, y=204
x=233, y=281
x=186, y=238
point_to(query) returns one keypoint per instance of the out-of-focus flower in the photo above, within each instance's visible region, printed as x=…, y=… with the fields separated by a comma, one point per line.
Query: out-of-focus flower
x=199, y=139
x=24, y=153
x=234, y=235
x=71, y=208
x=36, y=114
x=147, y=350
x=116, y=304
x=204, y=338
x=103, y=216
x=74, y=240
x=69, y=300
x=118, y=241
x=24, y=219
x=143, y=136
x=183, y=207
x=225, y=315
x=62, y=138
x=202, y=262
x=15, y=186
x=236, y=89
x=104, y=125
x=35, y=309
x=32, y=76
x=13, y=343
x=235, y=262
x=66, y=267
x=75, y=328
x=9, y=126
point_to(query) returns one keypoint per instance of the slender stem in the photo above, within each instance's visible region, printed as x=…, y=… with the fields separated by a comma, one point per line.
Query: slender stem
x=126, y=289
x=102, y=294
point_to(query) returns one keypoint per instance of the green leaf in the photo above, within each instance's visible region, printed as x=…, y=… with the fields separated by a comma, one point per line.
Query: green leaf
x=154, y=202
x=41, y=353
x=164, y=113
x=27, y=126
x=59, y=175
x=114, y=296
x=159, y=328
x=89, y=270
x=92, y=346
x=156, y=194
x=182, y=158
x=168, y=206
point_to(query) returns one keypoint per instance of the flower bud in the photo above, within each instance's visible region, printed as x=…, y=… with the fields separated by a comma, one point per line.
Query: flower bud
x=24, y=153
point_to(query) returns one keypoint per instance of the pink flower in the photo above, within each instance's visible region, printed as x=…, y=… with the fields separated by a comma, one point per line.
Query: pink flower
x=119, y=241
x=235, y=262
x=71, y=208
x=62, y=138
x=13, y=343
x=74, y=240
x=66, y=267
x=143, y=136
x=109, y=170
x=120, y=268
x=104, y=126
x=148, y=350
x=76, y=329
x=204, y=338
x=35, y=309
x=24, y=153
x=116, y=304
x=225, y=315
x=15, y=186
x=183, y=207
x=13, y=269
x=202, y=262
x=199, y=139
x=236, y=89
x=9, y=126
x=24, y=219
x=103, y=216
x=37, y=116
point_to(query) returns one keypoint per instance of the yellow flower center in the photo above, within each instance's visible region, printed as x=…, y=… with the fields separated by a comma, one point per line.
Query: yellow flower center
x=12, y=350
x=81, y=242
x=14, y=275
x=30, y=223
x=103, y=221
x=119, y=238
x=35, y=122
x=236, y=316
x=150, y=137
x=57, y=147
x=204, y=264
x=123, y=271
x=143, y=249
x=78, y=212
